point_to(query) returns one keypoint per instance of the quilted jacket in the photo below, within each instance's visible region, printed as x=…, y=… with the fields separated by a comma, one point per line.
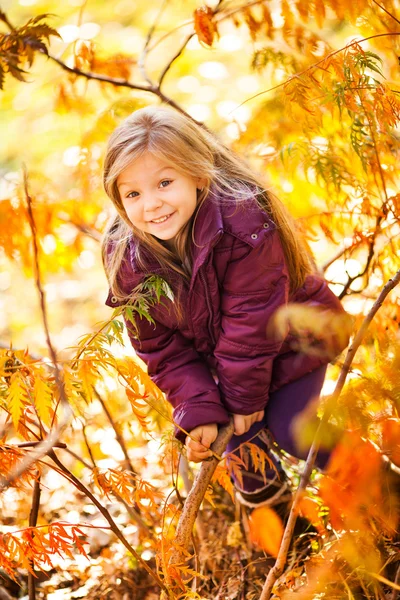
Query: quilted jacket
x=224, y=356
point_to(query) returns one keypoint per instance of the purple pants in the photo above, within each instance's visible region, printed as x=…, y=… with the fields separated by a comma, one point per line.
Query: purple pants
x=283, y=405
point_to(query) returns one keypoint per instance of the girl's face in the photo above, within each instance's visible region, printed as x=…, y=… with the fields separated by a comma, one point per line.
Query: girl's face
x=157, y=198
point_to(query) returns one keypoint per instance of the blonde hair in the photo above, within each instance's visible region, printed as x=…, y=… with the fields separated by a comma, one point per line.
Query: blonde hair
x=195, y=152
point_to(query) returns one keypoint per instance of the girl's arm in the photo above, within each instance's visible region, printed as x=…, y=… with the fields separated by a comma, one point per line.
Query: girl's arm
x=178, y=370
x=256, y=284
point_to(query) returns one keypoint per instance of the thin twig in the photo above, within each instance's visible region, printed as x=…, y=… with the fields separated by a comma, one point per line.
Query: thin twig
x=118, y=434
x=88, y=448
x=386, y=11
x=33, y=444
x=103, y=78
x=33, y=516
x=153, y=89
x=52, y=438
x=173, y=59
x=277, y=569
x=114, y=527
x=4, y=18
x=218, y=10
x=144, y=53
x=395, y=591
x=134, y=511
x=135, y=516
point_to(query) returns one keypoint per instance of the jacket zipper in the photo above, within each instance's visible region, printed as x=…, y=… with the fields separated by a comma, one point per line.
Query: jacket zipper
x=210, y=312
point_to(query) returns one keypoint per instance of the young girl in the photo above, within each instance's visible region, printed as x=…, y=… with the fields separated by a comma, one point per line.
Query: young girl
x=192, y=212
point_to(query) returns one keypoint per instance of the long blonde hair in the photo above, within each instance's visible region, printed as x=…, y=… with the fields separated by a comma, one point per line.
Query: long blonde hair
x=196, y=152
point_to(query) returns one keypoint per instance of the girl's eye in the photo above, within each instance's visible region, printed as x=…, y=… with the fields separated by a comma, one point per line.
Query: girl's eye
x=167, y=181
x=129, y=195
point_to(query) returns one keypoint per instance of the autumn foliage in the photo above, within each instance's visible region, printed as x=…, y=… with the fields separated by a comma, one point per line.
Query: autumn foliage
x=321, y=117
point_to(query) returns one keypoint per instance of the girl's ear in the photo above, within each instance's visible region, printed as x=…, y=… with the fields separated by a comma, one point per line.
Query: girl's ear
x=201, y=183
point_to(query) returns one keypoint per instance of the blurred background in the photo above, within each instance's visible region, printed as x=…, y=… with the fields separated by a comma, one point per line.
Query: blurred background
x=57, y=124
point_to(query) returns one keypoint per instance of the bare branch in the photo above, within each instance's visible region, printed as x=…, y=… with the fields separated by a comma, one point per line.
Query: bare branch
x=118, y=434
x=104, y=78
x=173, y=59
x=33, y=516
x=395, y=591
x=143, y=55
x=196, y=494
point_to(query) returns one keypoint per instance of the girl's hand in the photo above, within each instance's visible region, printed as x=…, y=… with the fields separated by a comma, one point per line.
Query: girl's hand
x=203, y=436
x=243, y=423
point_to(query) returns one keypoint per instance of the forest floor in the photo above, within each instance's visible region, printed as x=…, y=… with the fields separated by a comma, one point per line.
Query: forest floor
x=229, y=565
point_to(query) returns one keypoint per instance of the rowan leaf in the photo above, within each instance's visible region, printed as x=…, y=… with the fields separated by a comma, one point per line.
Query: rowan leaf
x=87, y=377
x=222, y=476
x=136, y=401
x=43, y=396
x=17, y=397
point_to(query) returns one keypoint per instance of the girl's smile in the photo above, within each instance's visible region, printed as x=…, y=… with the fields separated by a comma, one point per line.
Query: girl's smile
x=161, y=219
x=157, y=198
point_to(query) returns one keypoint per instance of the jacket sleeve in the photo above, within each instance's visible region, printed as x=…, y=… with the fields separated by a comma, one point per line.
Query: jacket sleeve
x=178, y=370
x=255, y=285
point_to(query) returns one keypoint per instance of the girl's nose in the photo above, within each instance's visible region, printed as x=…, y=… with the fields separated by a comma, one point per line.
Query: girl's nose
x=151, y=203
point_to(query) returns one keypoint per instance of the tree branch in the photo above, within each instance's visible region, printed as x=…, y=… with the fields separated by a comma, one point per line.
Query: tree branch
x=143, y=55
x=173, y=59
x=33, y=516
x=153, y=89
x=278, y=568
x=196, y=494
x=118, y=434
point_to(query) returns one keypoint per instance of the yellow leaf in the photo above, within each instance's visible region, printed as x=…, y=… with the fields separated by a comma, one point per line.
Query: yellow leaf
x=17, y=397
x=319, y=12
x=88, y=376
x=43, y=396
x=266, y=529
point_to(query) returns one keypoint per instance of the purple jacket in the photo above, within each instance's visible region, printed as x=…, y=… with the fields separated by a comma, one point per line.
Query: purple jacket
x=221, y=359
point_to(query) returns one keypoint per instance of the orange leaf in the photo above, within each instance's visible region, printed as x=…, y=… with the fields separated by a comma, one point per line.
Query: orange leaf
x=266, y=529
x=351, y=486
x=309, y=509
x=222, y=476
x=204, y=25
x=391, y=440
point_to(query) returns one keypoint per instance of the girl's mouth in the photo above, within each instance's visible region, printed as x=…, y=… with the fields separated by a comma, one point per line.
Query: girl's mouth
x=161, y=219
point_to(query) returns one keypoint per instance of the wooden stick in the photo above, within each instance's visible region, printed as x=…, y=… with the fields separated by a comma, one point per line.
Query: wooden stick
x=196, y=494
x=33, y=516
